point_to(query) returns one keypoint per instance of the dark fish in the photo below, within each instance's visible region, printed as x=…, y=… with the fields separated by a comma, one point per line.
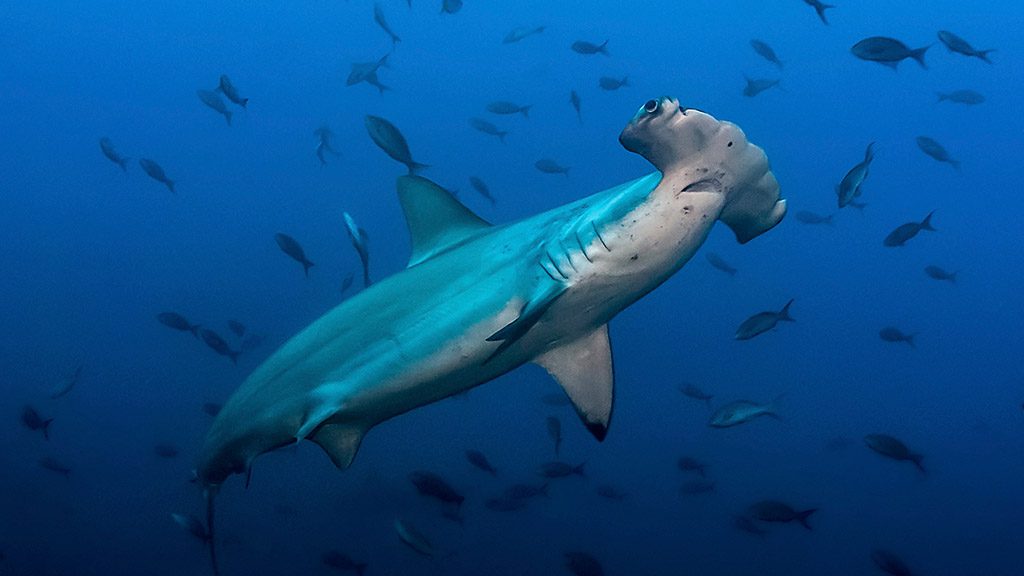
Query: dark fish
x=211, y=408
x=940, y=274
x=957, y=44
x=893, y=448
x=346, y=282
x=967, y=97
x=611, y=492
x=555, y=432
x=433, y=486
x=343, y=562
x=775, y=511
x=481, y=125
x=549, y=166
x=378, y=17
x=227, y=88
x=323, y=144
x=289, y=246
x=609, y=83
x=156, y=172
x=218, y=344
x=359, y=238
x=719, y=263
x=746, y=524
x=192, y=525
x=53, y=465
x=67, y=384
x=890, y=563
x=556, y=399
x=451, y=6
x=390, y=140
x=477, y=459
x=813, y=218
x=177, y=322
x=692, y=465
x=762, y=322
x=525, y=491
x=740, y=412
x=560, y=470
x=481, y=187
x=366, y=72
x=697, y=487
x=583, y=564
x=895, y=335
x=820, y=8
x=237, y=327
x=413, y=538
x=932, y=148
x=692, y=391
x=215, y=102
x=850, y=187
x=108, y=150
x=574, y=99
x=887, y=51
x=588, y=48
x=34, y=422
x=765, y=51
x=506, y=504
x=518, y=34
x=166, y=450
x=505, y=108
x=757, y=85
x=904, y=232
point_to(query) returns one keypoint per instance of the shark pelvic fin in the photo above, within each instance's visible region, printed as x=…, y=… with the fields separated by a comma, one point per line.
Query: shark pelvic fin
x=531, y=313
x=584, y=369
x=340, y=442
x=436, y=219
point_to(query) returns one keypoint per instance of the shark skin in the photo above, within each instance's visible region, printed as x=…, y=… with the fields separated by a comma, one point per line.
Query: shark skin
x=478, y=300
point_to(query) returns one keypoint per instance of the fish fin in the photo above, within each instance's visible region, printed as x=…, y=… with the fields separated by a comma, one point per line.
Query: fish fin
x=584, y=369
x=525, y=110
x=916, y=459
x=894, y=65
x=919, y=55
x=804, y=515
x=340, y=442
x=170, y=185
x=926, y=224
x=306, y=265
x=530, y=314
x=784, y=313
x=46, y=428
x=983, y=54
x=413, y=166
x=869, y=154
x=436, y=219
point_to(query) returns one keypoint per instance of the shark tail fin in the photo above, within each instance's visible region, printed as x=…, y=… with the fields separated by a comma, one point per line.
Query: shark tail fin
x=210, y=494
x=124, y=164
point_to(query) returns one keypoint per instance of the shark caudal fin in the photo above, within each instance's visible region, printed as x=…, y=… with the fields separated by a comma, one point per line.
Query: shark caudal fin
x=584, y=369
x=436, y=219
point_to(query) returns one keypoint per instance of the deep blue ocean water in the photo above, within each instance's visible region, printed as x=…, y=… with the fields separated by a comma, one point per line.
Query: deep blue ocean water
x=91, y=254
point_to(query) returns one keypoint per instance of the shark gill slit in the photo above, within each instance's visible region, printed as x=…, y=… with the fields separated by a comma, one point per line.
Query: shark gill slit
x=598, y=232
x=582, y=247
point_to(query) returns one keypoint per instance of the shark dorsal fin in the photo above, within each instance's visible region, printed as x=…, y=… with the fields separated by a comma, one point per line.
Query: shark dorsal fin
x=436, y=219
x=584, y=369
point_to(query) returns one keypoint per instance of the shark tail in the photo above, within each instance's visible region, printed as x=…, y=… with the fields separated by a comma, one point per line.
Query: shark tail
x=804, y=515
x=955, y=164
x=919, y=56
x=210, y=494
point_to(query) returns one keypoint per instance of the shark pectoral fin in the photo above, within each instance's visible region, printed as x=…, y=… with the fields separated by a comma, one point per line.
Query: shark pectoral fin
x=584, y=369
x=531, y=313
x=435, y=218
x=340, y=442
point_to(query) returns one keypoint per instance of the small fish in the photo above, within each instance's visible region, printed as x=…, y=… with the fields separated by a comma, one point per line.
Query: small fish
x=358, y=237
x=107, y=147
x=504, y=108
x=236, y=327
x=887, y=51
x=560, y=470
x=932, y=148
x=904, y=232
x=323, y=144
x=34, y=422
x=433, y=486
x=66, y=384
x=346, y=282
x=583, y=564
x=166, y=450
x=413, y=538
x=192, y=525
x=940, y=274
x=746, y=524
x=966, y=97
x=693, y=487
x=692, y=391
x=765, y=51
x=292, y=248
x=525, y=491
x=893, y=448
x=692, y=465
x=609, y=83
x=574, y=99
x=719, y=263
x=481, y=125
x=890, y=563
x=895, y=335
x=177, y=322
x=549, y=166
x=611, y=492
x=757, y=85
x=156, y=172
x=740, y=412
x=53, y=465
x=481, y=187
x=386, y=136
x=342, y=562
x=451, y=6
x=227, y=88
x=555, y=432
x=775, y=511
x=218, y=344
x=851, y=185
x=478, y=460
x=517, y=34
x=378, y=17
x=820, y=8
x=957, y=44
x=556, y=399
x=366, y=72
x=506, y=504
x=813, y=218
x=589, y=48
x=211, y=408
x=215, y=102
x=762, y=322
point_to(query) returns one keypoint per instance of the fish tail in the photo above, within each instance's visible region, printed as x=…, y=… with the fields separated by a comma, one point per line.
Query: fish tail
x=603, y=48
x=919, y=55
x=46, y=428
x=170, y=185
x=415, y=167
x=909, y=339
x=578, y=470
x=804, y=515
x=306, y=265
x=244, y=102
x=525, y=110
x=820, y=9
x=227, y=116
x=210, y=494
x=544, y=490
x=952, y=276
x=784, y=313
x=926, y=224
x=916, y=459
x=983, y=54
x=869, y=153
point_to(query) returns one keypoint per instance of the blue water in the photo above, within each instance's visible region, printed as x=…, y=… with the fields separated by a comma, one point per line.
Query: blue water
x=91, y=254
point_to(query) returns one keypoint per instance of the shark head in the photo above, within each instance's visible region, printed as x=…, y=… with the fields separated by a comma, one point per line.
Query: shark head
x=696, y=152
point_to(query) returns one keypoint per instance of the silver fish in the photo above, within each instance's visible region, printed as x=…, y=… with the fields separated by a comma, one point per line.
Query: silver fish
x=741, y=412
x=887, y=51
x=518, y=34
x=765, y=51
x=378, y=17
x=215, y=102
x=957, y=44
x=107, y=147
x=762, y=322
x=589, y=48
x=386, y=136
x=850, y=187
x=229, y=90
x=932, y=148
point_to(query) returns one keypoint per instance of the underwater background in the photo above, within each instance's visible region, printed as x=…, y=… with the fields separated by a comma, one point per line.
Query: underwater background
x=92, y=253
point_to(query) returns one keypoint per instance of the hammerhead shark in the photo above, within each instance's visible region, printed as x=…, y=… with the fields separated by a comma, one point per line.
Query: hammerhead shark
x=479, y=300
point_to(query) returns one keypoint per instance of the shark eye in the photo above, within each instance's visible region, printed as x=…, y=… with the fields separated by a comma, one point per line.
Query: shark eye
x=651, y=106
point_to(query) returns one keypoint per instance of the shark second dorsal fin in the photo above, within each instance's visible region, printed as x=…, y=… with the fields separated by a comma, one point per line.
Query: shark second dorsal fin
x=340, y=442
x=584, y=369
x=436, y=219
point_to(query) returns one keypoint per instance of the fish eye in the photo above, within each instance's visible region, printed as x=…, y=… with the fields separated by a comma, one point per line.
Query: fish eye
x=651, y=106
